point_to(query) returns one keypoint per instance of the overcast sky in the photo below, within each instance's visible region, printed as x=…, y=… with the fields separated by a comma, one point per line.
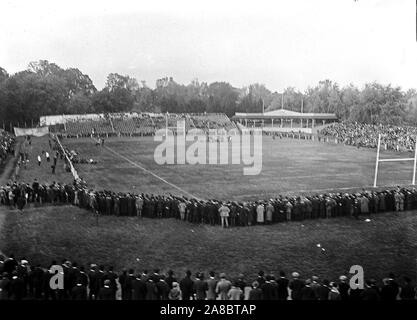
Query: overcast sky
x=278, y=43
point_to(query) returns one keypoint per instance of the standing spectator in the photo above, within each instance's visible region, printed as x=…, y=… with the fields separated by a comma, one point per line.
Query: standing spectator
x=408, y=292
x=323, y=291
x=151, y=290
x=17, y=287
x=39, y=160
x=223, y=287
x=260, y=213
x=79, y=292
x=4, y=286
x=187, y=286
x=200, y=287
x=235, y=293
x=256, y=292
x=107, y=293
x=240, y=282
x=211, y=286
x=163, y=289
x=175, y=292
x=139, y=288
x=344, y=288
x=224, y=215
x=170, y=279
x=371, y=292
x=269, y=212
x=334, y=293
x=296, y=285
x=307, y=292
x=282, y=286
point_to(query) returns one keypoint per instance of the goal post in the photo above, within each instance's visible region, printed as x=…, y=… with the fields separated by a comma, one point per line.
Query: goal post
x=378, y=160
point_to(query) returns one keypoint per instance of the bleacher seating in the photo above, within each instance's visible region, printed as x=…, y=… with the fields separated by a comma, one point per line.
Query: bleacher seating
x=141, y=124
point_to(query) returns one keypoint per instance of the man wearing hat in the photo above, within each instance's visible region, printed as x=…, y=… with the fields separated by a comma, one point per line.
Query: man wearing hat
x=223, y=287
x=269, y=212
x=79, y=292
x=296, y=285
x=282, y=286
x=344, y=288
x=211, y=286
x=260, y=211
x=187, y=286
x=106, y=292
x=307, y=292
x=224, y=215
x=200, y=287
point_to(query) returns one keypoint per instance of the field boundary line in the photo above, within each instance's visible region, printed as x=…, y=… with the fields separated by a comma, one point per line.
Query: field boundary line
x=151, y=173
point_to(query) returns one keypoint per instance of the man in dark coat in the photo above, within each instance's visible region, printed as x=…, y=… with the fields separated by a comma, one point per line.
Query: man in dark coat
x=92, y=282
x=256, y=292
x=163, y=289
x=170, y=278
x=187, y=286
x=307, y=292
x=296, y=285
x=200, y=287
x=408, y=292
x=10, y=264
x=112, y=276
x=322, y=292
x=107, y=292
x=139, y=288
x=79, y=292
x=371, y=291
x=128, y=285
x=122, y=281
x=269, y=291
x=17, y=287
x=282, y=286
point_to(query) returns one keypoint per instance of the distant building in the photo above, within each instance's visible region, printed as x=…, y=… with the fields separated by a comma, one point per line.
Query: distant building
x=285, y=120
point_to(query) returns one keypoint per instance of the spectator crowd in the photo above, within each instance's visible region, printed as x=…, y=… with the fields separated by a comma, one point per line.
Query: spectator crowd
x=213, y=212
x=6, y=145
x=20, y=280
x=398, y=138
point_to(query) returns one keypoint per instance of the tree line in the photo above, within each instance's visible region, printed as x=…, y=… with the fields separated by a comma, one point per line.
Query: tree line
x=44, y=88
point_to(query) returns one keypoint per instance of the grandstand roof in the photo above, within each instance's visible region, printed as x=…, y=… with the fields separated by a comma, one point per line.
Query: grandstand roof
x=283, y=113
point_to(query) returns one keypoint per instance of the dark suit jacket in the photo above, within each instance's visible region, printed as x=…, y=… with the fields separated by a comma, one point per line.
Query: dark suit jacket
x=200, y=288
x=187, y=287
x=139, y=289
x=282, y=288
x=107, y=293
x=79, y=293
x=255, y=294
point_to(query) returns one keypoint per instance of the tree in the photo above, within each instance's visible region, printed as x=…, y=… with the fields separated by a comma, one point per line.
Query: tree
x=3, y=75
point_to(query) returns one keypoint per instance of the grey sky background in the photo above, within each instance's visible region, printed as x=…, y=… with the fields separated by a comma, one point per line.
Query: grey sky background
x=278, y=43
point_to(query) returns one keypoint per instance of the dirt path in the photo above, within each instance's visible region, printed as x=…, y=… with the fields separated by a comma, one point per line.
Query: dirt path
x=4, y=178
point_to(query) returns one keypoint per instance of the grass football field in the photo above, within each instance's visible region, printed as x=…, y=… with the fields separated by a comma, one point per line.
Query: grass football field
x=288, y=166
x=387, y=243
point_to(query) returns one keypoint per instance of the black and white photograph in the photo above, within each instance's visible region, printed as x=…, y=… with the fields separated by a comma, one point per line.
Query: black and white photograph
x=216, y=153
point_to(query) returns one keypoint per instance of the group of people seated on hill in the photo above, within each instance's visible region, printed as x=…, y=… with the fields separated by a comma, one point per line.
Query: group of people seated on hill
x=20, y=280
x=6, y=145
x=398, y=138
x=212, y=212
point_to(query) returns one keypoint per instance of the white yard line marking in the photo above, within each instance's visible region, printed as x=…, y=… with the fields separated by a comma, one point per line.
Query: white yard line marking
x=151, y=173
